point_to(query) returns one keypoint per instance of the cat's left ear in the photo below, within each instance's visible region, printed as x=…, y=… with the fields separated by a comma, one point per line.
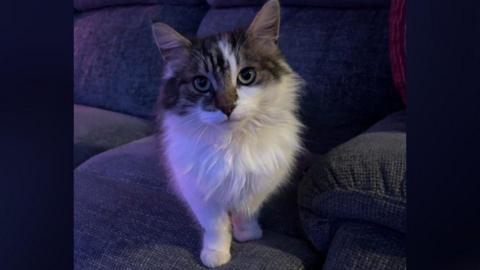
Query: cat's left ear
x=266, y=24
x=170, y=43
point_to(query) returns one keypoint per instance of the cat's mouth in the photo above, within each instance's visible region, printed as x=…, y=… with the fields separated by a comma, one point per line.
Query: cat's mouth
x=219, y=118
x=230, y=121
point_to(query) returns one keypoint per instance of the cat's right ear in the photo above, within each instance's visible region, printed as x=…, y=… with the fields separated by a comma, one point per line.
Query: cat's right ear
x=170, y=43
x=266, y=24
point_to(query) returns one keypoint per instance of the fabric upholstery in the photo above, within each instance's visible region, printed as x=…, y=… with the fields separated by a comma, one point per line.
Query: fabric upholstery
x=128, y=217
x=397, y=46
x=116, y=63
x=320, y=3
x=343, y=56
x=96, y=130
x=362, y=180
x=361, y=246
x=84, y=5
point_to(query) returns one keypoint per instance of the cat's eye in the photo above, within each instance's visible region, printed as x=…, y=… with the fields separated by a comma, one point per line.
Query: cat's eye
x=246, y=76
x=202, y=84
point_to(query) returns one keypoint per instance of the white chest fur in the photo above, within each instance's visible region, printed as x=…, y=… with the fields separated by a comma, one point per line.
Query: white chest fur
x=231, y=165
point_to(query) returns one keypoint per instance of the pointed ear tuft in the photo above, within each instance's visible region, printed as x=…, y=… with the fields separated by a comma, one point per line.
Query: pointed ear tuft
x=170, y=43
x=266, y=24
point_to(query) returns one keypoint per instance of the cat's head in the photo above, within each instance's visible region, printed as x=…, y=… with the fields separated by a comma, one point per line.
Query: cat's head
x=229, y=77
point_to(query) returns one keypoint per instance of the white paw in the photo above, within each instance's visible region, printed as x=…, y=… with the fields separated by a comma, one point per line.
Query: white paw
x=213, y=258
x=247, y=233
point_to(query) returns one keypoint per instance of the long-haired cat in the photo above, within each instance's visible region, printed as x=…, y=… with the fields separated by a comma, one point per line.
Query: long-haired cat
x=229, y=129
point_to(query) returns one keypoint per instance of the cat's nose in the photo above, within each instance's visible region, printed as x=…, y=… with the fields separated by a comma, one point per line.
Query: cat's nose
x=227, y=109
x=225, y=100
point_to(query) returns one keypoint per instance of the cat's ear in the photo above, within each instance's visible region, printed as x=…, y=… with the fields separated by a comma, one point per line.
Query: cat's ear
x=266, y=24
x=170, y=43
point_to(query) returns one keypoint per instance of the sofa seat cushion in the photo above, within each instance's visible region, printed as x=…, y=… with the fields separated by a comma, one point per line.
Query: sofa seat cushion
x=362, y=180
x=128, y=217
x=97, y=130
x=117, y=65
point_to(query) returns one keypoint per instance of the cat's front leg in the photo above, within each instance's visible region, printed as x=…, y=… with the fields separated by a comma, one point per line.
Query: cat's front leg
x=245, y=220
x=215, y=222
x=245, y=227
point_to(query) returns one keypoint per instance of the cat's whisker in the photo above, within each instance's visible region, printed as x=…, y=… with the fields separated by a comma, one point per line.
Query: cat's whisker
x=199, y=137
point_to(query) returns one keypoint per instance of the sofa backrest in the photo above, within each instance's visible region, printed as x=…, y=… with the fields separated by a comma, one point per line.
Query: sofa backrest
x=339, y=47
x=341, y=53
x=313, y=3
x=116, y=63
x=85, y=5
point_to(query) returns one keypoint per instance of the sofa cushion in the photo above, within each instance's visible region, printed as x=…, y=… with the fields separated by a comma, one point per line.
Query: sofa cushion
x=362, y=180
x=397, y=44
x=366, y=247
x=343, y=56
x=96, y=130
x=320, y=3
x=116, y=63
x=84, y=5
x=128, y=217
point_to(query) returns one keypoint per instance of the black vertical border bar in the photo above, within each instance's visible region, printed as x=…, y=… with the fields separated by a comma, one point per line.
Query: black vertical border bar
x=36, y=133
x=443, y=141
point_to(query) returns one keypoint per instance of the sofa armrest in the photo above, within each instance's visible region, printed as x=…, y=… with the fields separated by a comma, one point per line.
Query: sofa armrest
x=96, y=130
x=361, y=181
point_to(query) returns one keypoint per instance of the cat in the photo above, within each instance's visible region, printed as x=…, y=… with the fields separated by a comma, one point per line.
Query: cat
x=230, y=133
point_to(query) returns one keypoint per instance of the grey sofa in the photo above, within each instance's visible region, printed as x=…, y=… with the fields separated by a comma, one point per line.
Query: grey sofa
x=344, y=209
